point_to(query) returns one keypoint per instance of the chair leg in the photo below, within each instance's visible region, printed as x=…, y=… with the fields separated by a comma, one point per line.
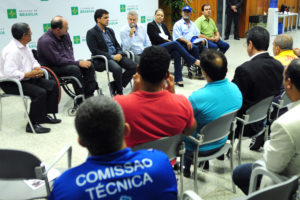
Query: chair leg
x=231, y=167
x=0, y=113
x=195, y=170
x=181, y=176
x=27, y=115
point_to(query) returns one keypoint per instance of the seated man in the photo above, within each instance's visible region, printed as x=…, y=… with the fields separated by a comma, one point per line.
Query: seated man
x=101, y=40
x=282, y=153
x=187, y=34
x=283, y=49
x=209, y=31
x=151, y=110
x=258, y=78
x=215, y=99
x=134, y=38
x=17, y=62
x=55, y=51
x=113, y=171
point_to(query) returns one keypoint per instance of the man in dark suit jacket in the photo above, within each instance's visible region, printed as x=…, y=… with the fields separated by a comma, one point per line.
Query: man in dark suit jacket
x=233, y=9
x=258, y=78
x=101, y=40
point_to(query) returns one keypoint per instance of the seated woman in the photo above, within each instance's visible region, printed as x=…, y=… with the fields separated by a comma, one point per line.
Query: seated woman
x=159, y=35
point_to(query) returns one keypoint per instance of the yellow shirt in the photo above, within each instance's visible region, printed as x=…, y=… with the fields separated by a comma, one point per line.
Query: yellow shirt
x=207, y=28
x=286, y=57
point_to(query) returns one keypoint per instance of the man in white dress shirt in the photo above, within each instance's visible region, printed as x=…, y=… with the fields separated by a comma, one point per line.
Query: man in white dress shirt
x=17, y=62
x=134, y=36
x=282, y=151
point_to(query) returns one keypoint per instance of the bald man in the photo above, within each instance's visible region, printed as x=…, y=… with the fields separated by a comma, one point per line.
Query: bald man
x=55, y=51
x=283, y=49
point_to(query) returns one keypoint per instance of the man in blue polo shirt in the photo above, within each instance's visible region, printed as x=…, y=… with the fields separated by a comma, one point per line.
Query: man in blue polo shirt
x=218, y=97
x=113, y=171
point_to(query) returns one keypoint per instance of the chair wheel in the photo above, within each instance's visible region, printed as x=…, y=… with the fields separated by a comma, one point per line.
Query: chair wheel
x=190, y=75
x=72, y=111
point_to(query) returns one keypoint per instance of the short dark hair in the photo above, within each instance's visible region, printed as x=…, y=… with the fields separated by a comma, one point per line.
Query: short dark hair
x=204, y=5
x=57, y=22
x=259, y=36
x=214, y=64
x=19, y=29
x=99, y=13
x=293, y=72
x=154, y=64
x=99, y=123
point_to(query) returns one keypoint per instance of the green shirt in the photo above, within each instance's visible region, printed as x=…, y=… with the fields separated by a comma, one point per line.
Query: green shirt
x=207, y=28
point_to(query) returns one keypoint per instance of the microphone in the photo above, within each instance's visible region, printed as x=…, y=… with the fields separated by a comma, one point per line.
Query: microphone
x=133, y=26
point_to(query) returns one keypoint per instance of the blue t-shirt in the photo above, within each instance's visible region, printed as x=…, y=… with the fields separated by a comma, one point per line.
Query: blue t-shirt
x=123, y=175
x=211, y=102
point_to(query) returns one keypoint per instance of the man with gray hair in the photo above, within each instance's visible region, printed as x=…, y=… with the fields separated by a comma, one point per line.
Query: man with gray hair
x=283, y=49
x=113, y=171
x=17, y=62
x=134, y=36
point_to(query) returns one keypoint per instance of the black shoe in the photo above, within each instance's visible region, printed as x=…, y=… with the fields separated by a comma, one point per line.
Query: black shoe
x=236, y=38
x=187, y=173
x=256, y=143
x=222, y=157
x=179, y=84
x=38, y=129
x=226, y=38
x=206, y=165
x=50, y=120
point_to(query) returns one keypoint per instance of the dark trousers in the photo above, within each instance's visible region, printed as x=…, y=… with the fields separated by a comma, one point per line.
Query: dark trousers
x=86, y=76
x=43, y=94
x=188, y=162
x=177, y=51
x=235, y=17
x=241, y=177
x=122, y=79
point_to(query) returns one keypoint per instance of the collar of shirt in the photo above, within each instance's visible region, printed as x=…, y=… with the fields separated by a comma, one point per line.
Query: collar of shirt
x=217, y=82
x=257, y=55
x=110, y=156
x=19, y=44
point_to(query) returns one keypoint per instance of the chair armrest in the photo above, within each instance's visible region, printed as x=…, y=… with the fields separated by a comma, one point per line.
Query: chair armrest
x=104, y=58
x=45, y=73
x=66, y=149
x=198, y=140
x=259, y=168
x=16, y=81
x=259, y=163
x=190, y=194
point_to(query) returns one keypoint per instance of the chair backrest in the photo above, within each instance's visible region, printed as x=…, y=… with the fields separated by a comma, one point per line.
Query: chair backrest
x=281, y=191
x=259, y=111
x=168, y=145
x=15, y=164
x=285, y=100
x=219, y=128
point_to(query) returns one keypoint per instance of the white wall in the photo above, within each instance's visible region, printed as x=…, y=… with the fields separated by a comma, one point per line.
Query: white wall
x=38, y=13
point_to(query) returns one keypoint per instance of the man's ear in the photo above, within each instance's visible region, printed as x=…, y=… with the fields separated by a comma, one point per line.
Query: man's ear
x=289, y=84
x=127, y=129
x=80, y=142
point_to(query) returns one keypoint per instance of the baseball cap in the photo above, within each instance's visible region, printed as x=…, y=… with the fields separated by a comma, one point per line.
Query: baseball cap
x=187, y=8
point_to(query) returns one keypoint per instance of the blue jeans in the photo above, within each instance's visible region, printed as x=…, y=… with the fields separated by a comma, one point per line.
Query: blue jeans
x=241, y=177
x=223, y=46
x=177, y=51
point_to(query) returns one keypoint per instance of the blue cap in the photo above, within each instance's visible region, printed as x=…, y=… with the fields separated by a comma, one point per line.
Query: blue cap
x=187, y=8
